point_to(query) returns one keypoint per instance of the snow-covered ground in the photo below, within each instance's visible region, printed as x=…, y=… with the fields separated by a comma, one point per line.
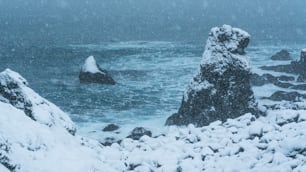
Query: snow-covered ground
x=275, y=142
x=272, y=143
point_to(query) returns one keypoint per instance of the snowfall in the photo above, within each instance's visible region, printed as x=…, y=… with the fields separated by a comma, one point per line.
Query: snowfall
x=37, y=136
x=44, y=142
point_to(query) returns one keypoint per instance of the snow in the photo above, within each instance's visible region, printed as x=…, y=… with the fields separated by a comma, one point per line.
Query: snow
x=91, y=66
x=47, y=149
x=220, y=53
x=275, y=142
x=39, y=109
x=196, y=86
x=264, y=143
x=3, y=169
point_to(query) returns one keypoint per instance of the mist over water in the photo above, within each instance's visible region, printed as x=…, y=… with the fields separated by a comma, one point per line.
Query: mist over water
x=94, y=21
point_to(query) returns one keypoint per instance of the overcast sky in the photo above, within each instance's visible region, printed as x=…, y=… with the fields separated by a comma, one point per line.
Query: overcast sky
x=81, y=21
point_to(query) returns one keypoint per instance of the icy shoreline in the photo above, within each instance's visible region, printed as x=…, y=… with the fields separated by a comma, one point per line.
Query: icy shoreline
x=275, y=142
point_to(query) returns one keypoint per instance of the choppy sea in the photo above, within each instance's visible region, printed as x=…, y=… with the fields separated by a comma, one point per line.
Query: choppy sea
x=151, y=78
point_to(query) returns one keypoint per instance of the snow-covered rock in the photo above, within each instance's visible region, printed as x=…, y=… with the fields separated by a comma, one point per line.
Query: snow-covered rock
x=27, y=145
x=271, y=143
x=138, y=132
x=275, y=142
x=14, y=90
x=92, y=73
x=221, y=89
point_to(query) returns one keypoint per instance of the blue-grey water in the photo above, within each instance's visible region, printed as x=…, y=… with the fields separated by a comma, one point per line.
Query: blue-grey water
x=151, y=77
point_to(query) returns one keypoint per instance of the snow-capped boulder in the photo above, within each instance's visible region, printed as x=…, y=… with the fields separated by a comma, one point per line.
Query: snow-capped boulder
x=92, y=73
x=15, y=91
x=281, y=55
x=138, y=132
x=221, y=89
x=27, y=145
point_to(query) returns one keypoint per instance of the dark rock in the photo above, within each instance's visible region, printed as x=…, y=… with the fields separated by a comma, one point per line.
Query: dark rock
x=109, y=141
x=282, y=55
x=299, y=87
x=260, y=80
x=285, y=78
x=285, y=105
x=138, y=132
x=296, y=67
x=110, y=127
x=301, y=78
x=283, y=84
x=221, y=89
x=91, y=72
x=287, y=96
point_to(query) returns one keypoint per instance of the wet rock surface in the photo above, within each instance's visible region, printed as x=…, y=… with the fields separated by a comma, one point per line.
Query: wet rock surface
x=110, y=127
x=222, y=88
x=287, y=96
x=282, y=81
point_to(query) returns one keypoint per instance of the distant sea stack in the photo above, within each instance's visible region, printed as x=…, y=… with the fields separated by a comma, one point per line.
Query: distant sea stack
x=92, y=73
x=296, y=67
x=281, y=55
x=221, y=89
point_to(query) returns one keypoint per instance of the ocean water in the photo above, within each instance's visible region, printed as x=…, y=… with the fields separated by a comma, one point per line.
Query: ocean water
x=151, y=78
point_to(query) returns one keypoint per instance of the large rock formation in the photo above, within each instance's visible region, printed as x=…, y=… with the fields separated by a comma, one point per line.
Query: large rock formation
x=296, y=67
x=221, y=89
x=33, y=133
x=15, y=91
x=91, y=72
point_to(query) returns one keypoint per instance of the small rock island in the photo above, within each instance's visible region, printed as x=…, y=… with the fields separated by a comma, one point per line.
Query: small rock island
x=91, y=72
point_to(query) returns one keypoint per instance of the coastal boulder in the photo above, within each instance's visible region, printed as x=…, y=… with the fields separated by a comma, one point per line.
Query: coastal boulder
x=110, y=127
x=14, y=90
x=92, y=73
x=138, y=132
x=221, y=89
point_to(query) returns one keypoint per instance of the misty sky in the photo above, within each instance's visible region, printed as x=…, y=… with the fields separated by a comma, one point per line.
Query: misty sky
x=92, y=21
